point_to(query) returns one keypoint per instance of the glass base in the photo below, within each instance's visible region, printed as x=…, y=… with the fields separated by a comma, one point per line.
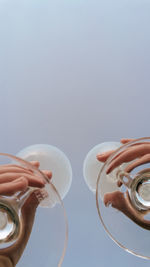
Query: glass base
x=10, y=224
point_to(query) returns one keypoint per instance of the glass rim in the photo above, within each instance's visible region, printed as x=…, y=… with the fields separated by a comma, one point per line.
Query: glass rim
x=108, y=161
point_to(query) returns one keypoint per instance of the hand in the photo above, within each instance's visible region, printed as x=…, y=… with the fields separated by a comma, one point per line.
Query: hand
x=13, y=179
x=119, y=200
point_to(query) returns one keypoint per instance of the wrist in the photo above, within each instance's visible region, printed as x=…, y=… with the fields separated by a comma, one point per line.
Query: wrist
x=5, y=262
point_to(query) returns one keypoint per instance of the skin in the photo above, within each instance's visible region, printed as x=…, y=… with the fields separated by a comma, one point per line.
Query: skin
x=14, y=179
x=119, y=200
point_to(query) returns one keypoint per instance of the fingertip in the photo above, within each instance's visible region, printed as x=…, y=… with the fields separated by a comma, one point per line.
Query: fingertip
x=126, y=140
x=48, y=174
x=98, y=156
x=35, y=163
x=101, y=157
x=108, y=170
x=123, y=140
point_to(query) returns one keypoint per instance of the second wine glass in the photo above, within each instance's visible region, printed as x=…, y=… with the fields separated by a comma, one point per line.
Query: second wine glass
x=122, y=187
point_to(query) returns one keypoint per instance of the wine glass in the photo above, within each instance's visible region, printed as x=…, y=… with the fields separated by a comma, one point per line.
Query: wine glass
x=48, y=239
x=123, y=194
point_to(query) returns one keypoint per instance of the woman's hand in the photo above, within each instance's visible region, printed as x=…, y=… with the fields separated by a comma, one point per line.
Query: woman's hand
x=140, y=153
x=14, y=179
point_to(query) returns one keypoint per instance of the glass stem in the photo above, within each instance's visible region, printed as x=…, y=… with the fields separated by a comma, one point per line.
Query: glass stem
x=22, y=197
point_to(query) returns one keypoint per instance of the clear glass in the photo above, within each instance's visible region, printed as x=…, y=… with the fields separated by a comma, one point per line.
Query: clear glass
x=129, y=233
x=48, y=238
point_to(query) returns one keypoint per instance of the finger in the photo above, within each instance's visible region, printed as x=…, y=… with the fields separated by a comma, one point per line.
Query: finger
x=35, y=163
x=13, y=187
x=48, y=174
x=10, y=177
x=104, y=156
x=13, y=168
x=126, y=140
x=17, y=168
x=129, y=155
x=33, y=180
x=143, y=160
x=116, y=199
x=119, y=201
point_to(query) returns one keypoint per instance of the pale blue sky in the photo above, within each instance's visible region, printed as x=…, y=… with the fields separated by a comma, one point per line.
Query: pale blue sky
x=74, y=74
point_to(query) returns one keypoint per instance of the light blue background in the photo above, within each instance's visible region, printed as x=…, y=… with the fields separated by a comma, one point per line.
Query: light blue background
x=74, y=74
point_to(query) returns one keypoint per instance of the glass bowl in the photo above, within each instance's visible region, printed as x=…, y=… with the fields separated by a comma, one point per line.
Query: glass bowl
x=33, y=221
x=122, y=186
